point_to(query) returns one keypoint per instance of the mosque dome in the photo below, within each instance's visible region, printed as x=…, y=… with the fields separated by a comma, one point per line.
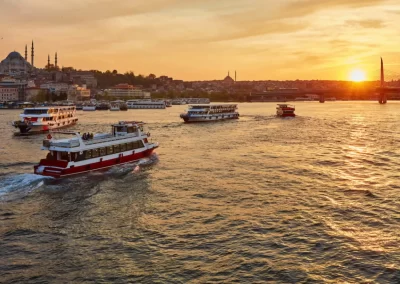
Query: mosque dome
x=14, y=55
x=228, y=79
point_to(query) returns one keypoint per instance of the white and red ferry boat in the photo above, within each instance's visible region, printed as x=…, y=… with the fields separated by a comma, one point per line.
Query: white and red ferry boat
x=210, y=112
x=285, y=110
x=75, y=153
x=42, y=119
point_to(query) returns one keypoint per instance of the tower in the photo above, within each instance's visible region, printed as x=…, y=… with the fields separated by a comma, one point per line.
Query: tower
x=26, y=52
x=32, y=54
x=55, y=61
x=382, y=75
x=48, y=61
x=235, y=75
x=382, y=94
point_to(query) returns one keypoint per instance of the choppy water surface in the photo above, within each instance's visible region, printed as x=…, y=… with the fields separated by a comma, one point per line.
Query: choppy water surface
x=313, y=199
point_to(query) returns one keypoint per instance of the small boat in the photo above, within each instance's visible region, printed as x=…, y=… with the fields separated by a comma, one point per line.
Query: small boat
x=285, y=110
x=123, y=107
x=88, y=107
x=75, y=153
x=145, y=104
x=42, y=119
x=114, y=108
x=210, y=112
x=103, y=106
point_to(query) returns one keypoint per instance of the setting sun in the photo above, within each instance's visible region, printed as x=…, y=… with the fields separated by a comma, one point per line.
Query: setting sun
x=357, y=75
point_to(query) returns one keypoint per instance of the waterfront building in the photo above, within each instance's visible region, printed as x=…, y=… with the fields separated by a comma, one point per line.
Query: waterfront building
x=55, y=87
x=31, y=93
x=15, y=83
x=84, y=77
x=8, y=94
x=77, y=93
x=127, y=91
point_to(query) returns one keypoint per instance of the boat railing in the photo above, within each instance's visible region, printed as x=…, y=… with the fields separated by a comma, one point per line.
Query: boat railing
x=112, y=138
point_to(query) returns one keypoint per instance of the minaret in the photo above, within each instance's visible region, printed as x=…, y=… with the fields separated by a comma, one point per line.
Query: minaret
x=32, y=54
x=235, y=75
x=26, y=52
x=55, y=61
x=48, y=61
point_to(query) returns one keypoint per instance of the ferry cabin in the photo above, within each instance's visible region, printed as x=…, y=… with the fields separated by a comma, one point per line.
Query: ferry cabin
x=75, y=155
x=42, y=119
x=285, y=110
x=206, y=112
x=146, y=104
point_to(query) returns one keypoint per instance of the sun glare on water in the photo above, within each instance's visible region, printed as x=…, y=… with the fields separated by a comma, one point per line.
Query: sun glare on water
x=357, y=75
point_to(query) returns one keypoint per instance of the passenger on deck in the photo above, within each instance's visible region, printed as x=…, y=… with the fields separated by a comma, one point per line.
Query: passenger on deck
x=84, y=137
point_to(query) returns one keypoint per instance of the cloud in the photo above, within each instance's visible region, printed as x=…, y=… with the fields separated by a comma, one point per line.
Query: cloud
x=368, y=24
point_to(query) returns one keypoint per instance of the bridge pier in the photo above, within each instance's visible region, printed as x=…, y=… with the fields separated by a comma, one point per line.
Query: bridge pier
x=322, y=98
x=382, y=98
x=382, y=94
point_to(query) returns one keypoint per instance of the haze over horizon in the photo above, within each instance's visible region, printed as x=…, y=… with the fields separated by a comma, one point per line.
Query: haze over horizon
x=202, y=40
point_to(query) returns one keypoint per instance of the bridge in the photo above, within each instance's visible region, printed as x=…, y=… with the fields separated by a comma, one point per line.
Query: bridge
x=383, y=90
x=288, y=94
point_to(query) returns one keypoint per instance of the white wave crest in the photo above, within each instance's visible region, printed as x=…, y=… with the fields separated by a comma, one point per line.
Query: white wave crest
x=24, y=182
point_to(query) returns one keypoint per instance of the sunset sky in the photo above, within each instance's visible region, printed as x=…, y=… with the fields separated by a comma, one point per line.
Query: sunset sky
x=203, y=39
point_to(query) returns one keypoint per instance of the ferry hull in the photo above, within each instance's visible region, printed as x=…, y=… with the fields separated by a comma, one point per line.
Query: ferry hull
x=188, y=119
x=27, y=129
x=58, y=172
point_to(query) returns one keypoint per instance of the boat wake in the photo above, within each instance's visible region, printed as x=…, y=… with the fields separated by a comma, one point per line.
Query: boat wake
x=134, y=167
x=21, y=182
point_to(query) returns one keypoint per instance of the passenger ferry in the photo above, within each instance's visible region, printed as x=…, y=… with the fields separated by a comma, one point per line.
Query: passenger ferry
x=285, y=110
x=43, y=119
x=75, y=153
x=145, y=104
x=210, y=112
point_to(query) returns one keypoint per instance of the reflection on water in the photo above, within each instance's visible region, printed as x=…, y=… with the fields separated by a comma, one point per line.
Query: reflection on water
x=310, y=199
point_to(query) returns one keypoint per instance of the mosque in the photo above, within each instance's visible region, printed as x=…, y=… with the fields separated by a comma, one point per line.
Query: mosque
x=16, y=65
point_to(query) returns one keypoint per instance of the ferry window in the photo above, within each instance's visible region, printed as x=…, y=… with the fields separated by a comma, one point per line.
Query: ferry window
x=88, y=154
x=102, y=151
x=129, y=146
x=141, y=145
x=116, y=149
x=110, y=150
x=130, y=129
x=64, y=156
x=123, y=147
x=95, y=153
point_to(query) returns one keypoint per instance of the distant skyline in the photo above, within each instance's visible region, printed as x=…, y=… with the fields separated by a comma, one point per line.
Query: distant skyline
x=202, y=40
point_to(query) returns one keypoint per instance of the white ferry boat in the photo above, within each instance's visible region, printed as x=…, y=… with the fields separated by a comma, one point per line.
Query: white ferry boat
x=75, y=153
x=42, y=119
x=210, y=112
x=285, y=110
x=145, y=104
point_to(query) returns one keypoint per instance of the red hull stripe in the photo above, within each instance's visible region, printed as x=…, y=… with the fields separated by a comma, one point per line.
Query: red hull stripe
x=58, y=172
